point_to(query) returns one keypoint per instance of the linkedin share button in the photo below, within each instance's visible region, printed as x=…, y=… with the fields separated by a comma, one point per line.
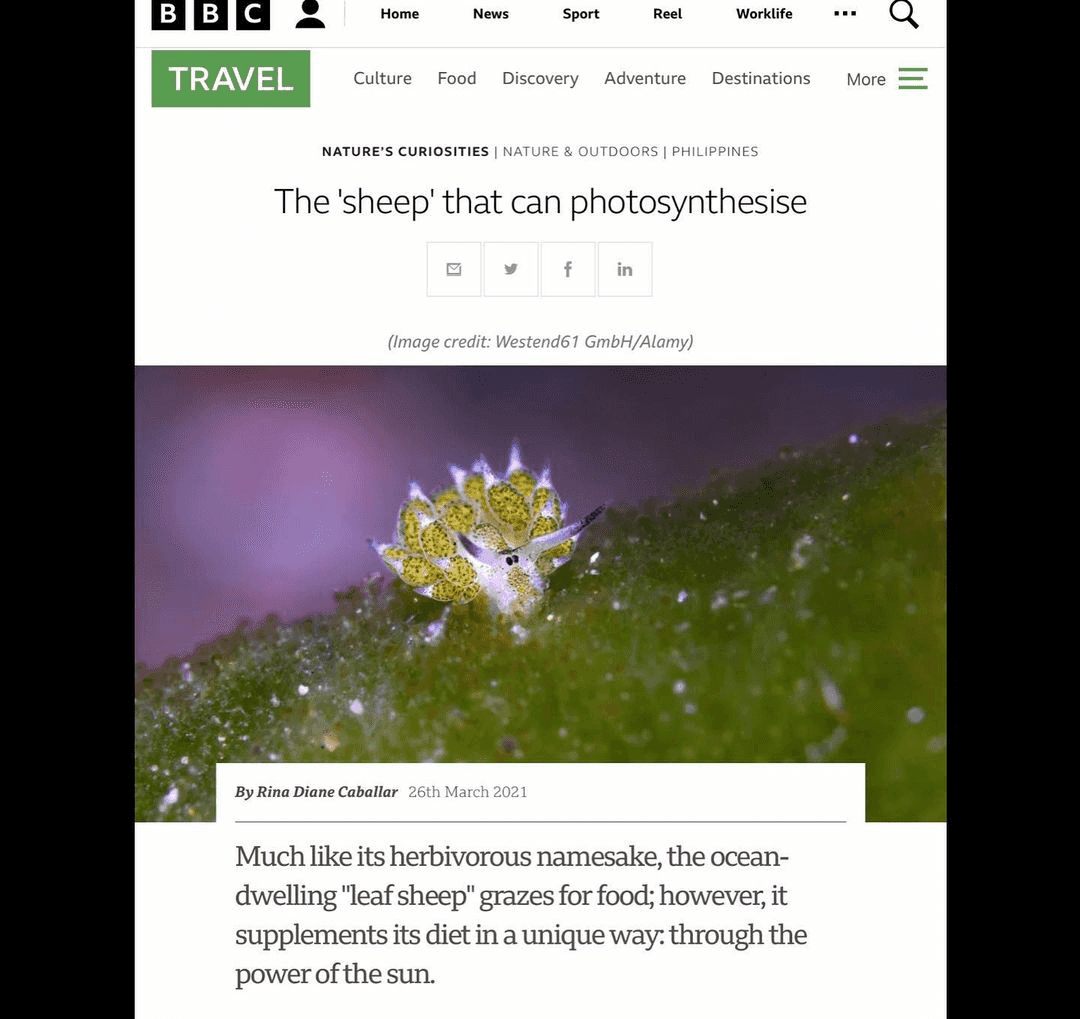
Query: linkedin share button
x=624, y=269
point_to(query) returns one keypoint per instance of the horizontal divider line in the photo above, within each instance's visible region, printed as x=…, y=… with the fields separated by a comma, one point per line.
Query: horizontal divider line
x=158, y=46
x=518, y=821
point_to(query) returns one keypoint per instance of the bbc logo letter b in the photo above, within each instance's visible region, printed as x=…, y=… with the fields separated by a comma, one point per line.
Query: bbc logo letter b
x=167, y=14
x=211, y=15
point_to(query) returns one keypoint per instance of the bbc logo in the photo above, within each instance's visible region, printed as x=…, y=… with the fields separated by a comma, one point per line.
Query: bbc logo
x=210, y=15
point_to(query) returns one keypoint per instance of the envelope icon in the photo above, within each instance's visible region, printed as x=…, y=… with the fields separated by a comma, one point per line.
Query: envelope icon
x=453, y=268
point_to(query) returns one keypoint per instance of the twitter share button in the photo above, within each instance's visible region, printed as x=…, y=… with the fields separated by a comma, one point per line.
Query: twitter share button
x=511, y=269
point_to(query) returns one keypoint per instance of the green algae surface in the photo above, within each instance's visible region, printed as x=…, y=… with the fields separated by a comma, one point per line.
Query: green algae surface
x=791, y=612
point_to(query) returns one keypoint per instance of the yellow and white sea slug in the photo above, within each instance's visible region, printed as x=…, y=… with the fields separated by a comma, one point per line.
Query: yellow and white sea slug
x=499, y=535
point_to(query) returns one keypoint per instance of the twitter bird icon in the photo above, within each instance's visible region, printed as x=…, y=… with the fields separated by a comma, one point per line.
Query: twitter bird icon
x=510, y=269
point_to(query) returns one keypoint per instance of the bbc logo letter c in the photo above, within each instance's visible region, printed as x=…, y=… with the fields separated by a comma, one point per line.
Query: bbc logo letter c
x=253, y=15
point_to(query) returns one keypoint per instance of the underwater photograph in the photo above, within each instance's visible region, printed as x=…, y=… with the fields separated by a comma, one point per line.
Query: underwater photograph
x=544, y=564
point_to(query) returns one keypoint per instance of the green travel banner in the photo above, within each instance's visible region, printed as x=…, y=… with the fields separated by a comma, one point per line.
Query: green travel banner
x=231, y=78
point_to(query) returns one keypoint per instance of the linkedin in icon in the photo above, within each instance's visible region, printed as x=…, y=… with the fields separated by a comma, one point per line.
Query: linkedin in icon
x=624, y=269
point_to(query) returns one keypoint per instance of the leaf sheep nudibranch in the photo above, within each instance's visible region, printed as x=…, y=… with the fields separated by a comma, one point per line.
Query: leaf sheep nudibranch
x=503, y=536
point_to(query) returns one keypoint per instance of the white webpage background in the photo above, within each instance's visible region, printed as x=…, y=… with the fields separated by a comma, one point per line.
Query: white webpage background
x=223, y=277
x=870, y=896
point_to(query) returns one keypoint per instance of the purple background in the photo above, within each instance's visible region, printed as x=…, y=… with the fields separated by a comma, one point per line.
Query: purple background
x=256, y=489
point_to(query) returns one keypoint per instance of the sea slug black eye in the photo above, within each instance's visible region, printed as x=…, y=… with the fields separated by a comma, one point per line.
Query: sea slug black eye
x=509, y=560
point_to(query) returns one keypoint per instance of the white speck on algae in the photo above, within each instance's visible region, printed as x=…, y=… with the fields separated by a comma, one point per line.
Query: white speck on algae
x=798, y=560
x=433, y=632
x=830, y=692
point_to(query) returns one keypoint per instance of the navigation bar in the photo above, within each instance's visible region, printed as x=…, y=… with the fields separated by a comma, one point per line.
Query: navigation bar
x=513, y=23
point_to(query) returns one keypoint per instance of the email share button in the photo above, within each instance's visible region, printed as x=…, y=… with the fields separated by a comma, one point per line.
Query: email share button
x=453, y=269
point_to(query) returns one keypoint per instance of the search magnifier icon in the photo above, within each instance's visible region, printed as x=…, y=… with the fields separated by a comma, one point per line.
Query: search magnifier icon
x=901, y=10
